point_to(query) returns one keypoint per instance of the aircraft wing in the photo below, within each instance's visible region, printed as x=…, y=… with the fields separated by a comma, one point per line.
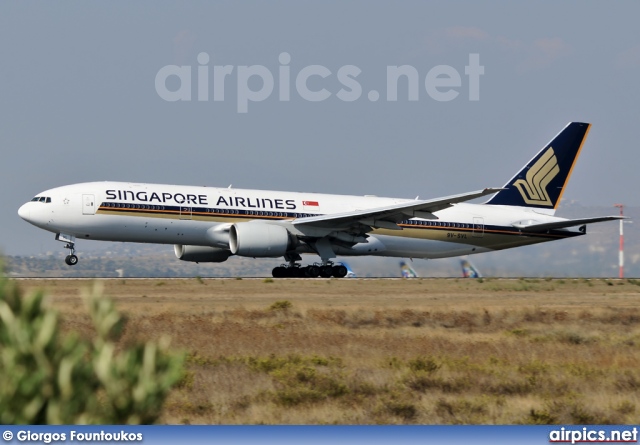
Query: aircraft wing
x=387, y=217
x=564, y=224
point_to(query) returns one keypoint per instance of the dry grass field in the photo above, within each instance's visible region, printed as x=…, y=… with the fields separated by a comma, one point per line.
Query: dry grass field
x=385, y=351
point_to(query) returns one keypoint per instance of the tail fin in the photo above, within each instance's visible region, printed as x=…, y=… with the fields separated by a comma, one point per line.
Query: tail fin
x=468, y=269
x=541, y=182
x=407, y=271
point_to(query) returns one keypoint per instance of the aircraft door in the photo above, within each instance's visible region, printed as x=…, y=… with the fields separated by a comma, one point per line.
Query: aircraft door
x=88, y=205
x=478, y=227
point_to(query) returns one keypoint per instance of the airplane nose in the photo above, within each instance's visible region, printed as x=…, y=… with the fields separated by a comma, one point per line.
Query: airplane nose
x=24, y=212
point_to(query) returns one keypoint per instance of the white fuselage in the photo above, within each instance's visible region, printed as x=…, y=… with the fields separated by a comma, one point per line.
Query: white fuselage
x=189, y=215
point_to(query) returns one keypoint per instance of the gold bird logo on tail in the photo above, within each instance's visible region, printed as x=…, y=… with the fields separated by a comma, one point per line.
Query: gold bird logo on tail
x=534, y=189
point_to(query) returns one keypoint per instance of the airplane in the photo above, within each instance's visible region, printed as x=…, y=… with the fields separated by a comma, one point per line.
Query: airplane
x=407, y=271
x=207, y=224
x=468, y=269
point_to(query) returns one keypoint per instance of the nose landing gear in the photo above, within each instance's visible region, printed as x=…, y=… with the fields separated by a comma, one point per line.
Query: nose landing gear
x=70, y=259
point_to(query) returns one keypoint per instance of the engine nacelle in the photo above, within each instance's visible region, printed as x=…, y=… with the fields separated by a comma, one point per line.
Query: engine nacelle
x=258, y=240
x=201, y=254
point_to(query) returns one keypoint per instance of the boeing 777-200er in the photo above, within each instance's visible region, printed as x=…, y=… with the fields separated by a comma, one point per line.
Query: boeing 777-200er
x=208, y=224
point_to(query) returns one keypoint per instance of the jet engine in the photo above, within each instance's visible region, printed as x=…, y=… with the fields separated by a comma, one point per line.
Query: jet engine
x=201, y=254
x=259, y=240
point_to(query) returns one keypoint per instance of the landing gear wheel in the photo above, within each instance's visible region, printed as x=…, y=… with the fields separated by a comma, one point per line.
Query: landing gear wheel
x=339, y=271
x=313, y=271
x=326, y=271
x=71, y=260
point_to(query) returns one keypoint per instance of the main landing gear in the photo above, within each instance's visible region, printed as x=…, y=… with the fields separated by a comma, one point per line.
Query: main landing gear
x=70, y=259
x=295, y=270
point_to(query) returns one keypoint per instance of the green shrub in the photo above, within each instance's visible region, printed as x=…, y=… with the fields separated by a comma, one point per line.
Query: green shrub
x=297, y=384
x=405, y=410
x=281, y=305
x=540, y=417
x=426, y=364
x=48, y=378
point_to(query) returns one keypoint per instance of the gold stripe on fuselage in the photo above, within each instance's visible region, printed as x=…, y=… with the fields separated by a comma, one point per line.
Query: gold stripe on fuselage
x=490, y=238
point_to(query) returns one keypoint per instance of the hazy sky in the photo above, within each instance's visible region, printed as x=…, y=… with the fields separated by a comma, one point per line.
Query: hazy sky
x=78, y=97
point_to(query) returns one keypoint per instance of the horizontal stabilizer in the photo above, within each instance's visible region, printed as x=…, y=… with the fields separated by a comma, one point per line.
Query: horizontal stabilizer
x=564, y=224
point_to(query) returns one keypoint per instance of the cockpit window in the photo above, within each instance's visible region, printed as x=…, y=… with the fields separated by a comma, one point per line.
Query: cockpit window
x=45, y=199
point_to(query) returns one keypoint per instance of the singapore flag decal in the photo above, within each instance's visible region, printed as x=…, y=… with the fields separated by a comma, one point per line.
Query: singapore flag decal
x=310, y=203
